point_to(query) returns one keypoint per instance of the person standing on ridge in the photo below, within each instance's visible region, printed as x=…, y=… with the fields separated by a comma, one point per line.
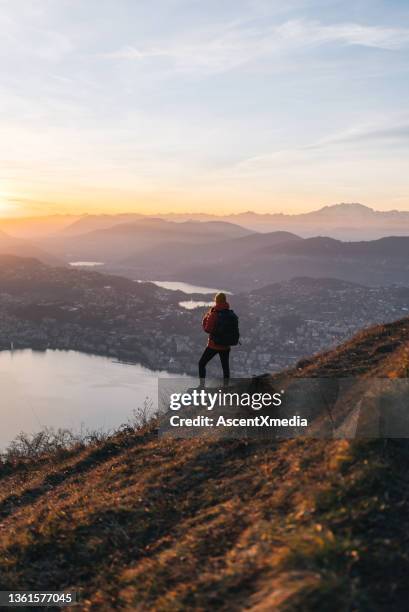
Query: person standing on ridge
x=222, y=325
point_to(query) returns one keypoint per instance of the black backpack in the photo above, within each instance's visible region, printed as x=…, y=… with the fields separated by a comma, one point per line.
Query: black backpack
x=226, y=332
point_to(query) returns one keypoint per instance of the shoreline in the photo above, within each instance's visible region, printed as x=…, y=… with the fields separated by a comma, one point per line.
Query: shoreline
x=126, y=360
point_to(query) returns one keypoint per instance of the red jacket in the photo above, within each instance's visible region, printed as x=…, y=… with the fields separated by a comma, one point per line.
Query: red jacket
x=209, y=325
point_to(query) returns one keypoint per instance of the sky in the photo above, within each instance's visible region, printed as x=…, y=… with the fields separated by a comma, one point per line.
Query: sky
x=218, y=106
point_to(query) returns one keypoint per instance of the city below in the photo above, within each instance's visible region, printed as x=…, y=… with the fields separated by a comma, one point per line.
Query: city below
x=80, y=309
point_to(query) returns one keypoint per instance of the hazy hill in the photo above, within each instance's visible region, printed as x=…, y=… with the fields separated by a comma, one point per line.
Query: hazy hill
x=141, y=523
x=117, y=222
x=380, y=262
x=16, y=246
x=26, y=276
x=14, y=263
x=309, y=284
x=125, y=239
x=168, y=258
x=391, y=246
x=89, y=223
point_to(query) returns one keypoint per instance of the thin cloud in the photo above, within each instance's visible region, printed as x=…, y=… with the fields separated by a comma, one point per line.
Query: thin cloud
x=236, y=45
x=394, y=132
x=132, y=53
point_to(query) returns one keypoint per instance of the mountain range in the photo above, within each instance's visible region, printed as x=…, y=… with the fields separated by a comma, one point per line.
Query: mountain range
x=343, y=220
x=222, y=254
x=217, y=252
x=346, y=221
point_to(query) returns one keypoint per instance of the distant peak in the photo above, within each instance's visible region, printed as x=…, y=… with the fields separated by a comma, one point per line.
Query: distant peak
x=347, y=207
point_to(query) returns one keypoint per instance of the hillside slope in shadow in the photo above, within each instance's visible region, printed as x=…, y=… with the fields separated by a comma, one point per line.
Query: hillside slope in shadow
x=140, y=523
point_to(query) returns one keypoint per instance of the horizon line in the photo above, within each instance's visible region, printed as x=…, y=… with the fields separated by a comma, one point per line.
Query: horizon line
x=193, y=213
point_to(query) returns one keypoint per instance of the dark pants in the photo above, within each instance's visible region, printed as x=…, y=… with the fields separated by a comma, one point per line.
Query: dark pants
x=208, y=354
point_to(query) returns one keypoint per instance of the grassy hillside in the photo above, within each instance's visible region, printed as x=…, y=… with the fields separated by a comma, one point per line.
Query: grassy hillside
x=141, y=523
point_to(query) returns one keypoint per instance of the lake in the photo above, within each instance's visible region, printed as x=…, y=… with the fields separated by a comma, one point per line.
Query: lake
x=191, y=304
x=86, y=264
x=69, y=389
x=185, y=287
x=189, y=289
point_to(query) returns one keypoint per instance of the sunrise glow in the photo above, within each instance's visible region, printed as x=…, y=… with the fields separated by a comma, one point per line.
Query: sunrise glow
x=252, y=105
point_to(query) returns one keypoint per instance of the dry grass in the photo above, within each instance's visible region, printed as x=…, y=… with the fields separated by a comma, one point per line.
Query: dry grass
x=138, y=523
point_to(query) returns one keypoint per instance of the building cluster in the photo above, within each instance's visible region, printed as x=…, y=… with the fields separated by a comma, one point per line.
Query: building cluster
x=75, y=310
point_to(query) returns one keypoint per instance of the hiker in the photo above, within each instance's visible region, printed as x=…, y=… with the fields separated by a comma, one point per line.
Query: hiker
x=222, y=325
